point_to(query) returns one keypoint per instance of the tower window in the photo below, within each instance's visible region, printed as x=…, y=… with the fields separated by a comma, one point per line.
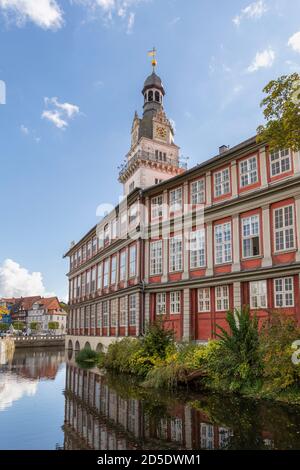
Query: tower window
x=150, y=95
x=157, y=97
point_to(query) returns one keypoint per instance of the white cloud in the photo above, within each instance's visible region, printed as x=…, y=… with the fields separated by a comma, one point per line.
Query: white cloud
x=263, y=59
x=130, y=23
x=60, y=113
x=253, y=11
x=44, y=13
x=294, y=42
x=24, y=129
x=16, y=281
x=110, y=9
x=13, y=388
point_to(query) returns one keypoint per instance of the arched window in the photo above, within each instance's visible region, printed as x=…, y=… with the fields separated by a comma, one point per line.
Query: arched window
x=150, y=95
x=157, y=97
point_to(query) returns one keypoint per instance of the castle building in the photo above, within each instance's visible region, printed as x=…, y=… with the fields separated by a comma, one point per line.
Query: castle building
x=150, y=257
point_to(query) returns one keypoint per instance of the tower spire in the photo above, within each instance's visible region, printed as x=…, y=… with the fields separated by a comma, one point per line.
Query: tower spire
x=153, y=55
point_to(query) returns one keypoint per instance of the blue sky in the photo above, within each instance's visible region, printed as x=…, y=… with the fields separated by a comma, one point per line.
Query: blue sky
x=74, y=71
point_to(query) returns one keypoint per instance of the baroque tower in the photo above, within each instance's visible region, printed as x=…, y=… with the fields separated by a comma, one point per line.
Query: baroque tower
x=153, y=156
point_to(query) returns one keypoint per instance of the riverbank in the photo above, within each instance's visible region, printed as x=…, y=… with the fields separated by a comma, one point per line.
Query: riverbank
x=246, y=361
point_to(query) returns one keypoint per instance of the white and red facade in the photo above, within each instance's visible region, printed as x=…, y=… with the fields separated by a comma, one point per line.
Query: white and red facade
x=246, y=251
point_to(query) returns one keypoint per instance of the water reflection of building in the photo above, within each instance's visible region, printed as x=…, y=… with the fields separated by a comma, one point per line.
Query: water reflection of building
x=97, y=417
x=38, y=363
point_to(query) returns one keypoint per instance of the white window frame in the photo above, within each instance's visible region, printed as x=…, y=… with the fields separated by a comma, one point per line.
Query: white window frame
x=132, y=260
x=197, y=249
x=222, y=184
x=204, y=302
x=99, y=275
x=106, y=273
x=113, y=273
x=123, y=267
x=156, y=257
x=248, y=171
x=252, y=225
x=123, y=312
x=161, y=303
x=157, y=207
x=287, y=230
x=281, y=289
x=93, y=279
x=175, y=199
x=223, y=246
x=114, y=313
x=175, y=253
x=197, y=191
x=132, y=310
x=222, y=298
x=105, y=313
x=279, y=160
x=175, y=303
x=258, y=295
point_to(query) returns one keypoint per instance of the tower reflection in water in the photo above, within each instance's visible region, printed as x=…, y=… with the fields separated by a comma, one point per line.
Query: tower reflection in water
x=112, y=413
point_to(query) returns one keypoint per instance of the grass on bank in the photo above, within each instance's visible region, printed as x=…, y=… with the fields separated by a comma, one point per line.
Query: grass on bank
x=244, y=359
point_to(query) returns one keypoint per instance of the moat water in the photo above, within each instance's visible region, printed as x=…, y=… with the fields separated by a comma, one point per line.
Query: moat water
x=48, y=402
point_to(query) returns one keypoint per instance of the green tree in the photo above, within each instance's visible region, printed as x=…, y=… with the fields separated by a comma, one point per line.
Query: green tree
x=4, y=326
x=282, y=113
x=53, y=325
x=34, y=325
x=18, y=325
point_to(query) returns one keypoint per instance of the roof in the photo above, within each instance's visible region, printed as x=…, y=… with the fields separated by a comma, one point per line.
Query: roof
x=153, y=81
x=50, y=303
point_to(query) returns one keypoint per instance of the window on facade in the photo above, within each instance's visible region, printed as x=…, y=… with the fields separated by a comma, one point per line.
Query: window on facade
x=99, y=277
x=175, y=303
x=98, y=316
x=82, y=319
x=204, y=299
x=74, y=287
x=133, y=213
x=93, y=315
x=223, y=251
x=84, y=253
x=175, y=255
x=122, y=265
x=157, y=97
x=197, y=249
x=150, y=95
x=94, y=245
x=284, y=228
x=156, y=207
x=132, y=261
x=93, y=280
x=89, y=249
x=78, y=286
x=114, y=312
x=106, y=273
x=123, y=311
x=222, y=298
x=105, y=313
x=248, y=172
x=258, y=294
x=123, y=226
x=113, y=269
x=132, y=309
x=87, y=316
x=106, y=235
x=158, y=181
x=198, y=191
x=222, y=182
x=114, y=229
x=250, y=229
x=88, y=282
x=83, y=283
x=79, y=256
x=284, y=292
x=100, y=239
x=161, y=304
x=175, y=200
x=156, y=257
x=280, y=162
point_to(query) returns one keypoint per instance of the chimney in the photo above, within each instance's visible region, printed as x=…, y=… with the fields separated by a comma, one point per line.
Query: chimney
x=223, y=149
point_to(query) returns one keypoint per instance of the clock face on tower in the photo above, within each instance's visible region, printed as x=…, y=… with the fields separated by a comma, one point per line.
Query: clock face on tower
x=161, y=132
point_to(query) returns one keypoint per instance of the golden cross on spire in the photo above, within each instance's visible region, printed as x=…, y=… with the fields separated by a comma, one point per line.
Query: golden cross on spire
x=153, y=55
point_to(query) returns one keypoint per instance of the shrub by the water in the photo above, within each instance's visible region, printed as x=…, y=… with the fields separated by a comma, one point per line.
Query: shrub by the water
x=87, y=357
